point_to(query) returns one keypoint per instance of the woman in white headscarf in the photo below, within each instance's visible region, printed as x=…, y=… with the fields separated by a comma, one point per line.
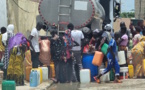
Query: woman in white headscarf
x=5, y=39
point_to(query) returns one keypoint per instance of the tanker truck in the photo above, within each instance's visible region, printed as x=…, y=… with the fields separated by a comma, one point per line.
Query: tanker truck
x=79, y=12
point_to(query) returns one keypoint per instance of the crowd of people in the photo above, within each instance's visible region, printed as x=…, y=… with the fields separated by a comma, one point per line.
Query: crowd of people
x=66, y=50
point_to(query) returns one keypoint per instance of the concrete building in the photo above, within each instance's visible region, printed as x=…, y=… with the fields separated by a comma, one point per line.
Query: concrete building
x=139, y=9
x=3, y=13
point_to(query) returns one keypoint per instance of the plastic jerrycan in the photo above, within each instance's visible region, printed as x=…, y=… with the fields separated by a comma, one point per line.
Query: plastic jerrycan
x=1, y=76
x=98, y=58
x=8, y=85
x=131, y=71
x=143, y=67
x=45, y=73
x=106, y=77
x=104, y=48
x=112, y=75
x=85, y=76
x=39, y=74
x=121, y=56
x=52, y=70
x=33, y=78
x=28, y=71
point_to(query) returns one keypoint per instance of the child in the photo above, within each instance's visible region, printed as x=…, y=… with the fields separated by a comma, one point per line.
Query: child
x=137, y=36
x=123, y=41
x=111, y=56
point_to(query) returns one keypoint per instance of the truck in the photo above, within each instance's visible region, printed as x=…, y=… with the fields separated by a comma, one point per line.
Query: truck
x=81, y=13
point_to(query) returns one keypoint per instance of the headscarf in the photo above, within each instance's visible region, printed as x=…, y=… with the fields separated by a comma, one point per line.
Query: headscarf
x=18, y=39
x=10, y=28
x=68, y=32
x=67, y=38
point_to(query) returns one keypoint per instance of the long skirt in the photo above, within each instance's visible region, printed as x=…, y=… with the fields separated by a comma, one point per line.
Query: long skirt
x=63, y=71
x=15, y=69
x=138, y=57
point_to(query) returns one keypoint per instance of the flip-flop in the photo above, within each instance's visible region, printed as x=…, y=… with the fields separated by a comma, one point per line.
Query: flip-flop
x=97, y=80
x=117, y=81
x=54, y=80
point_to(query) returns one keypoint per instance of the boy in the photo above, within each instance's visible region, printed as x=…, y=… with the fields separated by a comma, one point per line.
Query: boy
x=111, y=57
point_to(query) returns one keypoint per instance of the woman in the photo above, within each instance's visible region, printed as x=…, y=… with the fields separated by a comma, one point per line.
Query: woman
x=68, y=46
x=58, y=56
x=15, y=69
x=2, y=48
x=5, y=39
x=123, y=41
x=138, y=54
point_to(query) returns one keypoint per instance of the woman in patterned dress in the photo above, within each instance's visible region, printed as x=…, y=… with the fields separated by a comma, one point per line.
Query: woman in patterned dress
x=5, y=40
x=58, y=56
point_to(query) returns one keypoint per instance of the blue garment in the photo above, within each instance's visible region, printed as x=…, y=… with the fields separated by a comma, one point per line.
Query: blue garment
x=141, y=33
x=112, y=63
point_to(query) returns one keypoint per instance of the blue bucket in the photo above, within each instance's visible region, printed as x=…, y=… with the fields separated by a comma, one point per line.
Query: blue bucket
x=87, y=64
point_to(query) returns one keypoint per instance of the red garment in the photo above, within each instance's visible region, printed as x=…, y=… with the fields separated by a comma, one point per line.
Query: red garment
x=86, y=49
x=92, y=42
x=45, y=55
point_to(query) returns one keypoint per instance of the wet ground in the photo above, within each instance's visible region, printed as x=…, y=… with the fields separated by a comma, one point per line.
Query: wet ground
x=130, y=84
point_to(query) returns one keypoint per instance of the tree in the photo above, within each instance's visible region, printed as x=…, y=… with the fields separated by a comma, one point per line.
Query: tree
x=127, y=15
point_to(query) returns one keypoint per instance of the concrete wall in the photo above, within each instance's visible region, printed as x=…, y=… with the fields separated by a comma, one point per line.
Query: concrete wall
x=23, y=13
x=3, y=13
x=137, y=9
x=117, y=23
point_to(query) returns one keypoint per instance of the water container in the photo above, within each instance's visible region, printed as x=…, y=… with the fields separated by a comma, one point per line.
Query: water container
x=123, y=75
x=33, y=78
x=85, y=76
x=39, y=73
x=104, y=48
x=124, y=70
x=1, y=76
x=87, y=64
x=98, y=58
x=8, y=85
x=143, y=67
x=112, y=75
x=121, y=56
x=131, y=71
x=28, y=71
x=45, y=73
x=130, y=44
x=105, y=77
x=52, y=70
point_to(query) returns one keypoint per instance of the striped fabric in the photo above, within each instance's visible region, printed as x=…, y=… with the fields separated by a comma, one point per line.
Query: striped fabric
x=6, y=54
x=138, y=56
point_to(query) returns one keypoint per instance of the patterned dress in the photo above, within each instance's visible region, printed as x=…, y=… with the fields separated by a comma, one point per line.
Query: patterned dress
x=138, y=55
x=6, y=54
x=57, y=54
x=15, y=69
x=68, y=64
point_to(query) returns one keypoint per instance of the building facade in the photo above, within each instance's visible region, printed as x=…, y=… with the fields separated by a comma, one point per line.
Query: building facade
x=3, y=13
x=139, y=9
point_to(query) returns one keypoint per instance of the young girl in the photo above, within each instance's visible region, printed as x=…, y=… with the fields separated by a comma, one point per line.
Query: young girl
x=123, y=41
x=137, y=36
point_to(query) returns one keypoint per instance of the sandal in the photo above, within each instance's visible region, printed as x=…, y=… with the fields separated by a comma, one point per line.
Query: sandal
x=54, y=80
x=97, y=80
x=117, y=81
